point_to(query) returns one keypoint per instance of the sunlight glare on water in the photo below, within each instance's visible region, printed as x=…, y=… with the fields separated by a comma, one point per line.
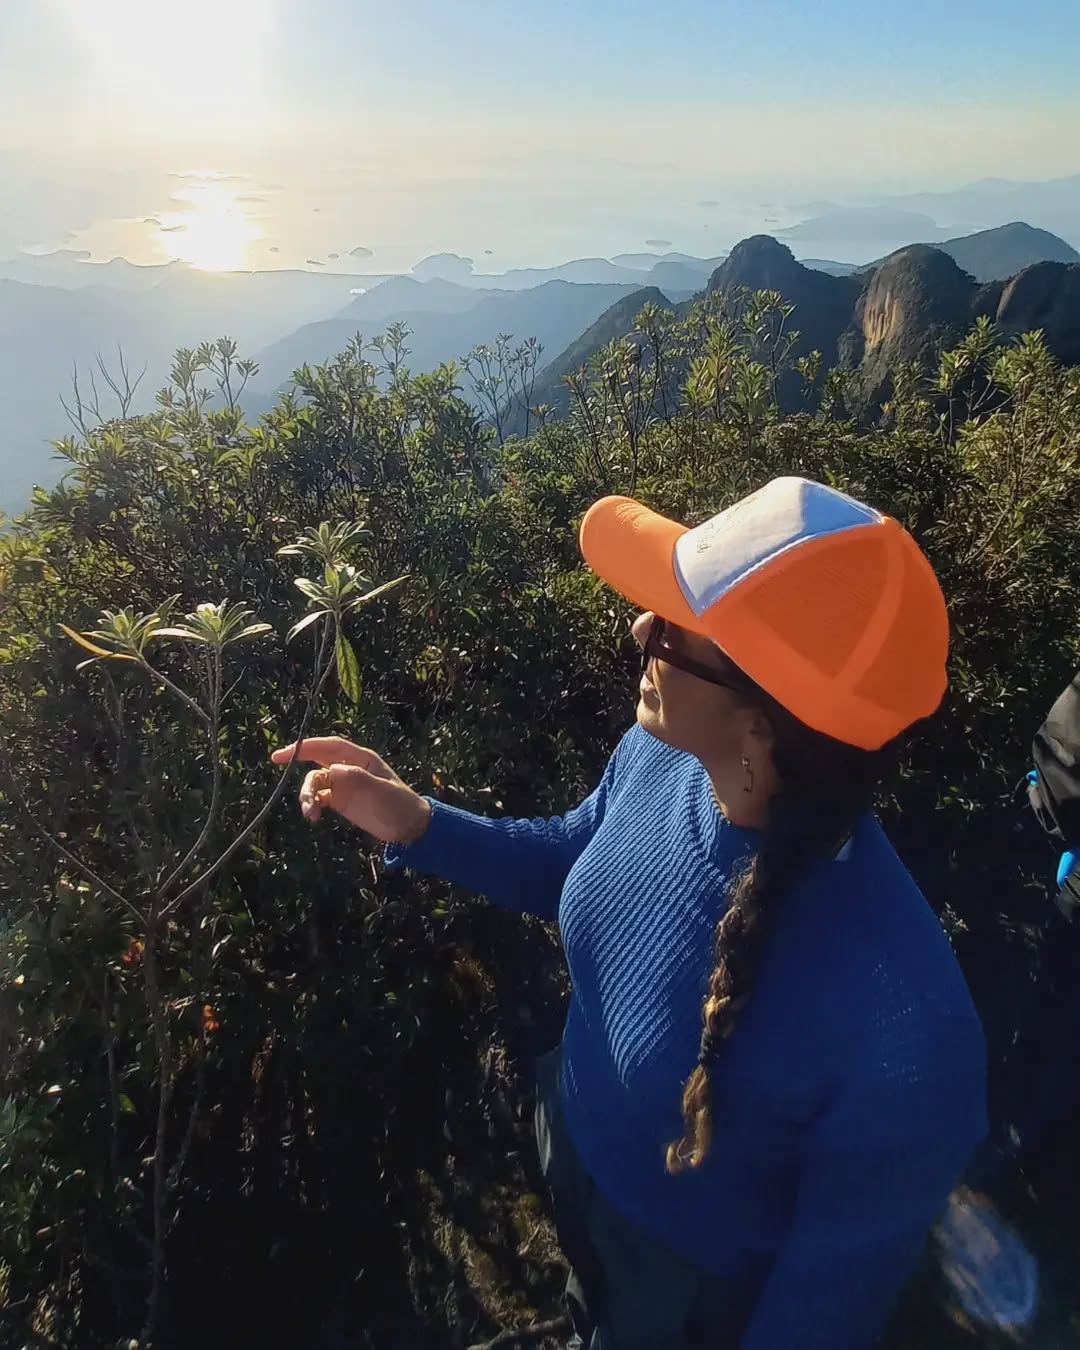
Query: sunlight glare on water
x=214, y=231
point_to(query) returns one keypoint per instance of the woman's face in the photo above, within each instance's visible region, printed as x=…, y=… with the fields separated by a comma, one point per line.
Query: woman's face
x=713, y=723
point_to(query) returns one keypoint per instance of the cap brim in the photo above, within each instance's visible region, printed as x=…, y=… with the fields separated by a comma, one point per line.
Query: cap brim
x=633, y=549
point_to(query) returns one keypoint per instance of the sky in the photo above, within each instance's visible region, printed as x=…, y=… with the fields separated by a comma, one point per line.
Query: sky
x=258, y=133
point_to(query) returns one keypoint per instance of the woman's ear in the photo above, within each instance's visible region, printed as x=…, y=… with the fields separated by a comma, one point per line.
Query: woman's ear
x=759, y=733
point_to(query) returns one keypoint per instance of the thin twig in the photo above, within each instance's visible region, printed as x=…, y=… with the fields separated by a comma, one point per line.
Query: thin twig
x=180, y=693
x=215, y=791
x=323, y=668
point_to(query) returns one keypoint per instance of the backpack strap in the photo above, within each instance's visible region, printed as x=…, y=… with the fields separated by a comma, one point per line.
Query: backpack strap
x=1068, y=878
x=1055, y=789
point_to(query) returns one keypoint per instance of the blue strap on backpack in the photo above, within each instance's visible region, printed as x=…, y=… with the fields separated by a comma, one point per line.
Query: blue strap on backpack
x=1054, y=791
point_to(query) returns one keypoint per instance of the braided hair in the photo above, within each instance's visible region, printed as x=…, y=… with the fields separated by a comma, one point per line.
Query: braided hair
x=825, y=786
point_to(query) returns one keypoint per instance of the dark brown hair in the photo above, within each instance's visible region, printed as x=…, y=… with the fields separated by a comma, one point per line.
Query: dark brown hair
x=825, y=786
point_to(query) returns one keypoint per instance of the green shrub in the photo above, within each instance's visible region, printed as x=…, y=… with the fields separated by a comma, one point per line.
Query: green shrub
x=191, y=1087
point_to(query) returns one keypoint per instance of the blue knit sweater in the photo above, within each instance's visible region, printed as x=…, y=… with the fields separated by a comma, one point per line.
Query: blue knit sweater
x=847, y=1101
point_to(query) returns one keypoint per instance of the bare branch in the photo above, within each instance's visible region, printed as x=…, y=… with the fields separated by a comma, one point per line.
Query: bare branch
x=95, y=404
x=214, y=734
x=196, y=708
x=130, y=387
x=323, y=667
x=122, y=390
x=75, y=414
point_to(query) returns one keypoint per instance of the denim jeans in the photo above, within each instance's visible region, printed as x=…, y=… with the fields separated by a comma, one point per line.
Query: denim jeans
x=625, y=1290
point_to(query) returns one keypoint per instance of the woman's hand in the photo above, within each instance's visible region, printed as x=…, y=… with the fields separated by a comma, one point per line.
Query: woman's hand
x=359, y=785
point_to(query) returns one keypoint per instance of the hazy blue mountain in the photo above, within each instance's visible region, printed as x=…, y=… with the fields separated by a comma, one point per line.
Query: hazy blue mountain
x=992, y=255
x=405, y=293
x=253, y=307
x=454, y=267
x=599, y=271
x=615, y=322
x=583, y=271
x=443, y=267
x=72, y=268
x=1052, y=205
x=553, y=313
x=834, y=269
x=999, y=253
x=645, y=262
x=678, y=280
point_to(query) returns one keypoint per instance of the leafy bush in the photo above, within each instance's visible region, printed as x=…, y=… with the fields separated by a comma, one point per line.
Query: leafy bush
x=225, y=1040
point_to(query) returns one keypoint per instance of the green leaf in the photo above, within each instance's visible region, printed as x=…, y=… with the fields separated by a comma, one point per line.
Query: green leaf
x=253, y=630
x=379, y=590
x=305, y=622
x=126, y=1104
x=188, y=634
x=315, y=593
x=348, y=668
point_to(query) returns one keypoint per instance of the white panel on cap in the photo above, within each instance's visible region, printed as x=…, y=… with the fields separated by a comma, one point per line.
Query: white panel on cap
x=715, y=556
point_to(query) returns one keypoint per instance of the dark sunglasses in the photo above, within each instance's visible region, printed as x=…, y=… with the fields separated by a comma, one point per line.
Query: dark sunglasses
x=658, y=645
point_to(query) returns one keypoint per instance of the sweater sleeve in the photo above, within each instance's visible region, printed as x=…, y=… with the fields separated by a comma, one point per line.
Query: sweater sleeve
x=518, y=864
x=876, y=1176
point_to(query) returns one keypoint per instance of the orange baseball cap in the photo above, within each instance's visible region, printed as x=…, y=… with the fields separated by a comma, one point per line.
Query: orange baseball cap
x=830, y=606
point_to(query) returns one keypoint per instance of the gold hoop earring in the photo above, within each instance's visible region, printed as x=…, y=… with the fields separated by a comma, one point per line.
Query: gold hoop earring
x=748, y=786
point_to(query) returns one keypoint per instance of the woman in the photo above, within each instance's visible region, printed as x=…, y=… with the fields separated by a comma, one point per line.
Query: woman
x=771, y=1073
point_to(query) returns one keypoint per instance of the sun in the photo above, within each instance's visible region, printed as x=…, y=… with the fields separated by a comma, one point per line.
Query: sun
x=213, y=233
x=170, y=69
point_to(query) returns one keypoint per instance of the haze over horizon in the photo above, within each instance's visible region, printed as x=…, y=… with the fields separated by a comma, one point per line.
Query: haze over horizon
x=265, y=134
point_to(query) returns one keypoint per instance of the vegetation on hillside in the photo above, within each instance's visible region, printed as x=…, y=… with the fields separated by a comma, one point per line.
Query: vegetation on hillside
x=231, y=1048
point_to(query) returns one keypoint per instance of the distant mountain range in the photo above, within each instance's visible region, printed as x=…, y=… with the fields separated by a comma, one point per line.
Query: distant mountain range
x=890, y=222
x=994, y=255
x=60, y=310
x=73, y=269
x=1054, y=204
x=455, y=322
x=903, y=309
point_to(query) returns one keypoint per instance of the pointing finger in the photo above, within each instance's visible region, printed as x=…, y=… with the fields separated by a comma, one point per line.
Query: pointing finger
x=312, y=750
x=326, y=750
